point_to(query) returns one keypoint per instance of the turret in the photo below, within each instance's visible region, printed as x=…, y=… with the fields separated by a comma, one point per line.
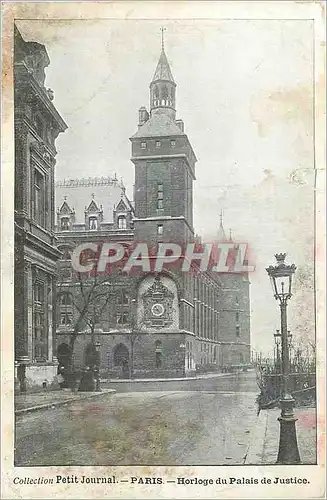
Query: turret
x=162, y=88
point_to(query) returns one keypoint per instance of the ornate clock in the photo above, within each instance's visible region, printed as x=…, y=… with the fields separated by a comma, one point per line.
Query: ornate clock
x=157, y=310
x=158, y=305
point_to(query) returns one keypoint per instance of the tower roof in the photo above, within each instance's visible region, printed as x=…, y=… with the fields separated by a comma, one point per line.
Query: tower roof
x=158, y=125
x=163, y=71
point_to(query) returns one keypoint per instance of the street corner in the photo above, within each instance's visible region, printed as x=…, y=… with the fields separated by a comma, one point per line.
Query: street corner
x=36, y=402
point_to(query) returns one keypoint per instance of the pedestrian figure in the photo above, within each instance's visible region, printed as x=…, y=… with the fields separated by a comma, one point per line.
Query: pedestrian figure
x=87, y=381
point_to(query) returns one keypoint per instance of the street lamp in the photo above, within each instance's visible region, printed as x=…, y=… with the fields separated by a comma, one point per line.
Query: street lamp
x=97, y=346
x=281, y=279
x=278, y=342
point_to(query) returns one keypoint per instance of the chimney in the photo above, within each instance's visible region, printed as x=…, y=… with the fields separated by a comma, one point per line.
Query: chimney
x=143, y=116
x=180, y=125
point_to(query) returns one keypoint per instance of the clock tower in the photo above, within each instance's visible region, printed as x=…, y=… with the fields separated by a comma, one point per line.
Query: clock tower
x=164, y=166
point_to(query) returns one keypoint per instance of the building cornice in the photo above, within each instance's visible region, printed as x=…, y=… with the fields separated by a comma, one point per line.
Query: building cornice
x=42, y=95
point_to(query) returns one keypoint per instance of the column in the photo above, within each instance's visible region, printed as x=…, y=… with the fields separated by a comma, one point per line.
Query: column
x=50, y=333
x=54, y=320
x=28, y=302
x=21, y=312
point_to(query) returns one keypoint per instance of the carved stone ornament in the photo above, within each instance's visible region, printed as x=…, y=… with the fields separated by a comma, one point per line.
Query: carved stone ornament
x=41, y=149
x=158, y=305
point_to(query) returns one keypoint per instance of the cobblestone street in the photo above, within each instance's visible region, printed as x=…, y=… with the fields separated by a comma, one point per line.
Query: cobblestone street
x=159, y=427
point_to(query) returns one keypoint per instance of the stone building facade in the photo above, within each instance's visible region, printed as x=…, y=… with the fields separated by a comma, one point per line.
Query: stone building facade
x=168, y=323
x=37, y=125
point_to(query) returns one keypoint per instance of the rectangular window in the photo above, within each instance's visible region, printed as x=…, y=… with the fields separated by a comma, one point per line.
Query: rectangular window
x=160, y=229
x=38, y=197
x=66, y=318
x=237, y=317
x=65, y=224
x=122, y=318
x=158, y=144
x=93, y=223
x=143, y=145
x=160, y=197
x=172, y=143
x=122, y=298
x=66, y=299
x=238, y=331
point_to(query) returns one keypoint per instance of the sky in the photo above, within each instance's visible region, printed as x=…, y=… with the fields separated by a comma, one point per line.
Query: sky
x=245, y=93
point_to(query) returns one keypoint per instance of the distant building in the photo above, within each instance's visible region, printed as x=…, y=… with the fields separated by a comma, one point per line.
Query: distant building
x=166, y=324
x=37, y=125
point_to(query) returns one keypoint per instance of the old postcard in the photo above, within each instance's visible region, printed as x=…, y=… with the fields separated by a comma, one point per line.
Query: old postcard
x=163, y=252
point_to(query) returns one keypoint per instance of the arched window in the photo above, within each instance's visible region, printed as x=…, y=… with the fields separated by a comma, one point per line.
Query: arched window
x=122, y=223
x=121, y=355
x=164, y=92
x=66, y=299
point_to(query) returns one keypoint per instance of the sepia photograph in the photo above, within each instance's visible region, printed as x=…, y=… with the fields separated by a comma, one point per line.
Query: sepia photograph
x=165, y=251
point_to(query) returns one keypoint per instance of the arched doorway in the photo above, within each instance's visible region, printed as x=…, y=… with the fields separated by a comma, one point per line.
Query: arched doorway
x=64, y=354
x=90, y=355
x=121, y=358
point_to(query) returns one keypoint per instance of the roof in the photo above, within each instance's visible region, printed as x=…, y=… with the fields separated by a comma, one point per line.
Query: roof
x=78, y=194
x=160, y=124
x=163, y=71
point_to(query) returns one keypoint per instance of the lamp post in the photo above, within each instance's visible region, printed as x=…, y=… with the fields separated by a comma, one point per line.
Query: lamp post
x=289, y=339
x=281, y=279
x=278, y=342
x=97, y=346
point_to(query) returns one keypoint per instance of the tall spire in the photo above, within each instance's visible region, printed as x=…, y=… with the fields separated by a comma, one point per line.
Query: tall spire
x=221, y=231
x=162, y=29
x=162, y=86
x=163, y=71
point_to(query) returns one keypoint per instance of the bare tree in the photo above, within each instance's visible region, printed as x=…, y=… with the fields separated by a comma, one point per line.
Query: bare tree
x=91, y=300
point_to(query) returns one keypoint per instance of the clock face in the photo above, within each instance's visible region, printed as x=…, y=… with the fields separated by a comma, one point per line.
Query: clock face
x=157, y=310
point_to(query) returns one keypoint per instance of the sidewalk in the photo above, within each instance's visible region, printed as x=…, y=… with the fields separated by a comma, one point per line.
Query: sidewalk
x=263, y=449
x=28, y=402
x=177, y=379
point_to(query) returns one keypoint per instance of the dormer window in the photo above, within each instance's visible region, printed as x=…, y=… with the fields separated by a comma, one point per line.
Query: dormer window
x=143, y=145
x=122, y=223
x=64, y=224
x=93, y=223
